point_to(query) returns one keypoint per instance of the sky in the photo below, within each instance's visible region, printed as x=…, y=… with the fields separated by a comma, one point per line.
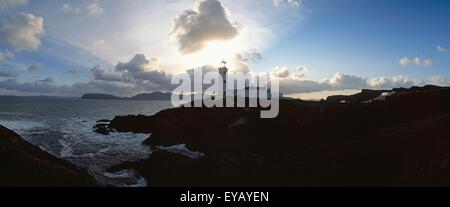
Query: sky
x=125, y=47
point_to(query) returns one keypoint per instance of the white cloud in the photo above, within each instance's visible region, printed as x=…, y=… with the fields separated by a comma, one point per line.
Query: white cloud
x=344, y=81
x=298, y=73
x=6, y=55
x=22, y=31
x=98, y=43
x=277, y=3
x=439, y=80
x=441, y=49
x=416, y=61
x=94, y=9
x=292, y=84
x=240, y=62
x=207, y=22
x=428, y=62
x=391, y=82
x=293, y=3
x=66, y=8
x=280, y=72
x=4, y=4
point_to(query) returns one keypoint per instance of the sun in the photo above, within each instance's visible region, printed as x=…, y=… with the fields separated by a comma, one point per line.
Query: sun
x=214, y=52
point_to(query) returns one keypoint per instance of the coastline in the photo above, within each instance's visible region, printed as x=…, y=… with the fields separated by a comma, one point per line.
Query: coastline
x=385, y=142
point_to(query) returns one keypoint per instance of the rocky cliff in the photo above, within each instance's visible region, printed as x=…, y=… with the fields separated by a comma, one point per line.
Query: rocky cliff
x=403, y=140
x=23, y=164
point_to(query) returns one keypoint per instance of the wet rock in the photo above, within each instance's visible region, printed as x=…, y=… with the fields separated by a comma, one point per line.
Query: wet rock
x=102, y=129
x=23, y=164
x=104, y=121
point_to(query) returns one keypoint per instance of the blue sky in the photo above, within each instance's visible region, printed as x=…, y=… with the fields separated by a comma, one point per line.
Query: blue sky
x=316, y=44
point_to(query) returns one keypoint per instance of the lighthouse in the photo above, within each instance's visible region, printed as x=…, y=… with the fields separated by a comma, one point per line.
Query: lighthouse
x=223, y=70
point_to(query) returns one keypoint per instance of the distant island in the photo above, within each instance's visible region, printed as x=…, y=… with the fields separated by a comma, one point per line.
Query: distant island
x=155, y=96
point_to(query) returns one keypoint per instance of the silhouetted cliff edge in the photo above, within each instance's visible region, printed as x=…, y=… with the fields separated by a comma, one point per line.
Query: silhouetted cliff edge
x=399, y=138
x=23, y=164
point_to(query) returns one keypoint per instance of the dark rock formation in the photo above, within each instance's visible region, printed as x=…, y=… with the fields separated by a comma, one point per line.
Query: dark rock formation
x=104, y=121
x=102, y=128
x=309, y=143
x=365, y=95
x=23, y=164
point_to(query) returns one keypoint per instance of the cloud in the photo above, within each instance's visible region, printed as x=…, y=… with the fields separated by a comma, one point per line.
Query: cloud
x=439, y=80
x=6, y=55
x=344, y=81
x=119, y=82
x=67, y=8
x=290, y=83
x=249, y=56
x=73, y=71
x=94, y=9
x=391, y=82
x=416, y=61
x=7, y=74
x=22, y=31
x=98, y=43
x=47, y=85
x=142, y=68
x=282, y=72
x=140, y=72
x=4, y=4
x=103, y=74
x=139, y=63
x=293, y=3
x=441, y=49
x=207, y=22
x=241, y=61
x=35, y=66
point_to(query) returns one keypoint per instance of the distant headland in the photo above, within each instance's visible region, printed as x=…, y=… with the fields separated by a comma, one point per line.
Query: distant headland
x=155, y=96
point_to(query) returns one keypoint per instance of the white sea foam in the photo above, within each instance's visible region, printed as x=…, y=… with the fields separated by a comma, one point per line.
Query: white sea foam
x=20, y=126
x=141, y=183
x=134, y=179
x=119, y=174
x=66, y=150
x=182, y=150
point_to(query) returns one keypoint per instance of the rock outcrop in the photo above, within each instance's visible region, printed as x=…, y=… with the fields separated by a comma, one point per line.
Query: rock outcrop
x=23, y=164
x=309, y=143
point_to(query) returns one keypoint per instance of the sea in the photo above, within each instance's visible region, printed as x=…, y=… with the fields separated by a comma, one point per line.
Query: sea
x=64, y=127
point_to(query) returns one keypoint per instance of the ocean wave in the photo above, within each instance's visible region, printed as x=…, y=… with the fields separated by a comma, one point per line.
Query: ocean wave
x=182, y=150
x=21, y=125
x=130, y=177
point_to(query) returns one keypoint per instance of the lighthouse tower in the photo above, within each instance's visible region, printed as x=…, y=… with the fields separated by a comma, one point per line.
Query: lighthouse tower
x=223, y=72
